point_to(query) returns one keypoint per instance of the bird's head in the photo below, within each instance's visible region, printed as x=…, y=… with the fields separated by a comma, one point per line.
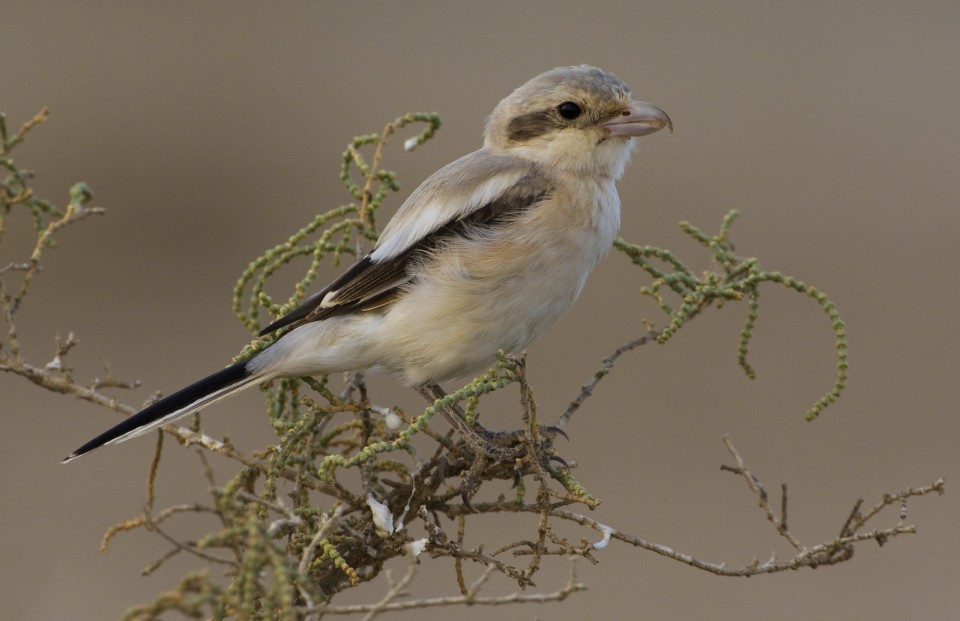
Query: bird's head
x=576, y=119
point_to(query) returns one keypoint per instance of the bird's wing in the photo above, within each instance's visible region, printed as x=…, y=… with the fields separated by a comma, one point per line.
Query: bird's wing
x=480, y=189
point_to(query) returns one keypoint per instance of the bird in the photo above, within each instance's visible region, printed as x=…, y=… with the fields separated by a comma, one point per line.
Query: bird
x=485, y=255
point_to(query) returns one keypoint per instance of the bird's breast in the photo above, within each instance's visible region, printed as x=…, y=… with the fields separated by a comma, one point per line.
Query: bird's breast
x=499, y=287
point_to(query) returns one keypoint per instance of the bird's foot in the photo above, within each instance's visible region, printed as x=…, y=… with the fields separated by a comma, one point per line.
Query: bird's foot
x=513, y=451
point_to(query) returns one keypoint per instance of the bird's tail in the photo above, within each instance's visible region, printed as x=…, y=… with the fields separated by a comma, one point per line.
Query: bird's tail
x=210, y=389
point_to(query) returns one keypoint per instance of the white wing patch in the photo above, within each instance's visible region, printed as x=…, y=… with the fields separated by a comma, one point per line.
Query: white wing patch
x=325, y=302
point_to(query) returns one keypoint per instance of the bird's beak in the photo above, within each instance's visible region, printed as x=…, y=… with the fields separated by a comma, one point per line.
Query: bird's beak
x=639, y=119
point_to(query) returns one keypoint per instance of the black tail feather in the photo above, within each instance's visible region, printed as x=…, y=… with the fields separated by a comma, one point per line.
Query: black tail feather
x=172, y=407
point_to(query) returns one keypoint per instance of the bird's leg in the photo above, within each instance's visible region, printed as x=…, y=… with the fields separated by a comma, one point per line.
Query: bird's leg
x=487, y=446
x=493, y=445
x=478, y=433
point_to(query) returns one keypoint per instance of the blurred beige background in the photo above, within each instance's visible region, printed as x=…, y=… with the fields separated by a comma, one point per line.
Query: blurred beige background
x=210, y=131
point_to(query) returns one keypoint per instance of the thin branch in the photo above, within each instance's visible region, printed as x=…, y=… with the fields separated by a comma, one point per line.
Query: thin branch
x=470, y=598
x=757, y=488
x=606, y=366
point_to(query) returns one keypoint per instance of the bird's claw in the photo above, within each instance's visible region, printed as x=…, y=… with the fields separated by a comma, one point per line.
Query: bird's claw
x=559, y=460
x=553, y=430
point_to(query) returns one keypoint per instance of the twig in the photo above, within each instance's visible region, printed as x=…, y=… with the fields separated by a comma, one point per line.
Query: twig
x=757, y=488
x=328, y=525
x=605, y=368
x=572, y=586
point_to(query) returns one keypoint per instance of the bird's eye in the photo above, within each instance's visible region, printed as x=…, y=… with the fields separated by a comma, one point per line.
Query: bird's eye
x=569, y=110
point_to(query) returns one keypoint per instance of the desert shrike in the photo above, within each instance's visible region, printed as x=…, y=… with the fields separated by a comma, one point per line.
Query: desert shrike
x=485, y=255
